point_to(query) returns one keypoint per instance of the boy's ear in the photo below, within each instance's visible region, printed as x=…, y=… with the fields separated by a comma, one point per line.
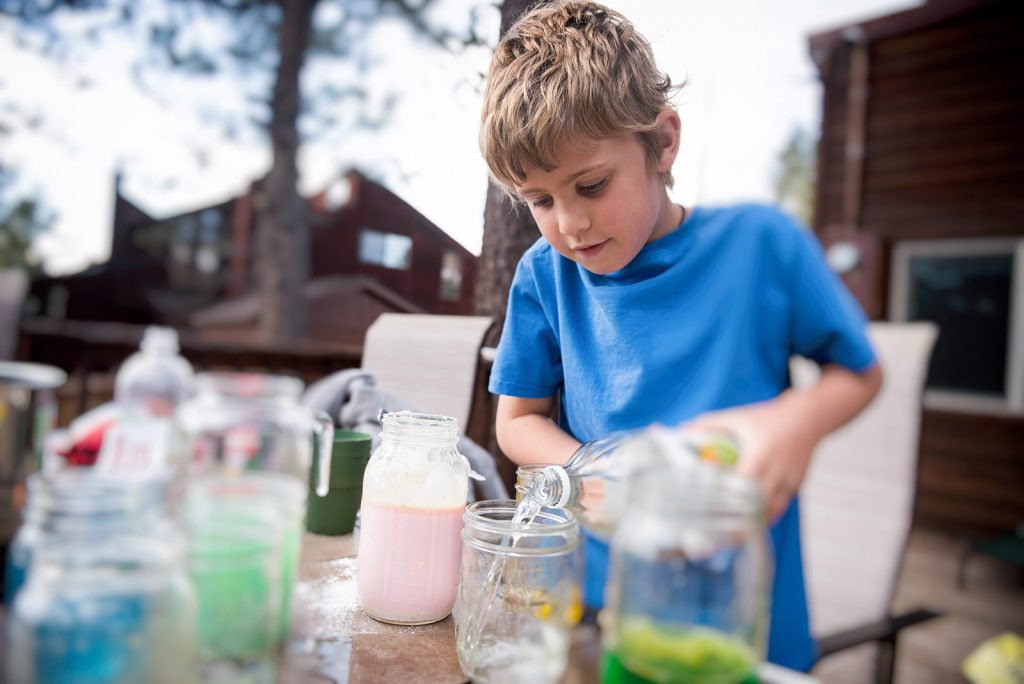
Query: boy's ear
x=668, y=136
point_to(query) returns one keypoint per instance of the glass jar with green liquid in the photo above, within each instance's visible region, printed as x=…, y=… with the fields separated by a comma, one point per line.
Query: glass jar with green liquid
x=247, y=440
x=689, y=585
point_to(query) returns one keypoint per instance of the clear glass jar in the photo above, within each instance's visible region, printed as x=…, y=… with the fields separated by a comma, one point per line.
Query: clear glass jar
x=689, y=585
x=414, y=494
x=240, y=422
x=243, y=550
x=106, y=596
x=28, y=412
x=519, y=594
x=57, y=502
x=248, y=438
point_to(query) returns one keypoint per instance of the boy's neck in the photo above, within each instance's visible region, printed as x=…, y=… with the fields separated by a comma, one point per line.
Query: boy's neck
x=671, y=217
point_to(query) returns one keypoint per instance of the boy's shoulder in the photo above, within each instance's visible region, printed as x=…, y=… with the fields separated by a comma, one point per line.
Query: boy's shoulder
x=750, y=216
x=752, y=225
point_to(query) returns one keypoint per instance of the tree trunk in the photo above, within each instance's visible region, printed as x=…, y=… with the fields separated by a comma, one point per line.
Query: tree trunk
x=282, y=229
x=512, y=10
x=508, y=230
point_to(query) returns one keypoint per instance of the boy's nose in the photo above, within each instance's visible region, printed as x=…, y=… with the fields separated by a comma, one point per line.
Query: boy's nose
x=572, y=222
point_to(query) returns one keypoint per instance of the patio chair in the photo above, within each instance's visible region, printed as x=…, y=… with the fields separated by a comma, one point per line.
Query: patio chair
x=857, y=504
x=429, y=361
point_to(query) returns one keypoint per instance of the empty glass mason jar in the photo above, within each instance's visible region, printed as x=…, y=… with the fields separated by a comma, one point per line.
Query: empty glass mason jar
x=240, y=422
x=414, y=494
x=519, y=594
x=106, y=596
x=688, y=591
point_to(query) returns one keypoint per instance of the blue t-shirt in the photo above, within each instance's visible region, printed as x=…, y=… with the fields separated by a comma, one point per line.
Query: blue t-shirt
x=703, y=318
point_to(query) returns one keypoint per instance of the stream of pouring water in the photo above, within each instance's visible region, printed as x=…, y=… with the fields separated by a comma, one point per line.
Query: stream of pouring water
x=483, y=609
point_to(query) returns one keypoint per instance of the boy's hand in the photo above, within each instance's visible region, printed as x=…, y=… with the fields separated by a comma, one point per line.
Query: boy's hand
x=775, y=443
x=778, y=437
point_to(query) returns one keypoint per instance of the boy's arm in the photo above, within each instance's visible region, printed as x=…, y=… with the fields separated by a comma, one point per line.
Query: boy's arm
x=778, y=437
x=527, y=434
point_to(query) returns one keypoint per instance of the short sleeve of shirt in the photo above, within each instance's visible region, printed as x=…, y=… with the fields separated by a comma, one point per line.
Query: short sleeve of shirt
x=528, y=362
x=828, y=325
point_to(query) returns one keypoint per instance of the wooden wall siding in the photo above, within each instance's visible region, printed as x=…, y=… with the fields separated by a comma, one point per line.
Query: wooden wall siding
x=832, y=144
x=336, y=250
x=944, y=159
x=970, y=473
x=945, y=153
x=945, y=142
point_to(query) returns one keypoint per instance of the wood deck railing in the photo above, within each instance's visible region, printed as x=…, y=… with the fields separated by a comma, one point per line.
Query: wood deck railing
x=90, y=352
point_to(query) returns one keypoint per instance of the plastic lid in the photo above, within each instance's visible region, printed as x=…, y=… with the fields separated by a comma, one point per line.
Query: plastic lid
x=160, y=340
x=31, y=375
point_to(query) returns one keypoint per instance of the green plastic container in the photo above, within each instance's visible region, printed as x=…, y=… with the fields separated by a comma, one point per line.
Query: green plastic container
x=335, y=513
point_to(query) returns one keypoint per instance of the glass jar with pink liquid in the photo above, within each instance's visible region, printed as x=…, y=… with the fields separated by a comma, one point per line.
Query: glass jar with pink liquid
x=410, y=545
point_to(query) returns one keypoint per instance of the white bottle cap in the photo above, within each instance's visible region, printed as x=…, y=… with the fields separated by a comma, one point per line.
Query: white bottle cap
x=563, y=477
x=160, y=340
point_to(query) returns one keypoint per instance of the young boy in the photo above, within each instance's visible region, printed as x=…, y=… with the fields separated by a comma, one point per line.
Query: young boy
x=635, y=310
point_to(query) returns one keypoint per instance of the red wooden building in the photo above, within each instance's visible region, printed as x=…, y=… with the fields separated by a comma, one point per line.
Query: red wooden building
x=372, y=252
x=921, y=174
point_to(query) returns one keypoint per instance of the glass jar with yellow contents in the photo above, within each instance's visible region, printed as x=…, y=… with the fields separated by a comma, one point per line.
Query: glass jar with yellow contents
x=519, y=594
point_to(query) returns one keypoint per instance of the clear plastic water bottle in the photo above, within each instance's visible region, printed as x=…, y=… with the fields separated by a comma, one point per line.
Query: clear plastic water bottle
x=156, y=378
x=148, y=388
x=593, y=483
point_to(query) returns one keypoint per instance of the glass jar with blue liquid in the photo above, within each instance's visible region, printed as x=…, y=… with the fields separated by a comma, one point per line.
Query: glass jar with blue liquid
x=106, y=597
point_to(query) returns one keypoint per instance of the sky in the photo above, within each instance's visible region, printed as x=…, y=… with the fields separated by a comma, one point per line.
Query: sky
x=749, y=83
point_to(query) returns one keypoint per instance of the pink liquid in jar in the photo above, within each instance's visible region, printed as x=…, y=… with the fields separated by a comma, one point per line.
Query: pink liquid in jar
x=409, y=560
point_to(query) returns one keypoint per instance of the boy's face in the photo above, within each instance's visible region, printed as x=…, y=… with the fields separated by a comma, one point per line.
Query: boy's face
x=605, y=200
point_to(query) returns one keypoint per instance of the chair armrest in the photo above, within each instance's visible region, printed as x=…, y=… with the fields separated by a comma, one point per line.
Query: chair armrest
x=881, y=630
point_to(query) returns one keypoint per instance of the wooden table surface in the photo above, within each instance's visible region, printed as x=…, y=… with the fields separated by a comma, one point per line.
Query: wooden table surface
x=332, y=640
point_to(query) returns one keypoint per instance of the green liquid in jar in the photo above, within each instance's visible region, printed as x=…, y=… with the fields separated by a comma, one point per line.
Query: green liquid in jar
x=648, y=654
x=237, y=587
x=291, y=545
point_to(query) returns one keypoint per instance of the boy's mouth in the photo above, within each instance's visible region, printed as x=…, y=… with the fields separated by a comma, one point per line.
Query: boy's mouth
x=591, y=250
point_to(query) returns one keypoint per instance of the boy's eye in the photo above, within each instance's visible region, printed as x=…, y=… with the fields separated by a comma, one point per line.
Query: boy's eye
x=593, y=188
x=541, y=202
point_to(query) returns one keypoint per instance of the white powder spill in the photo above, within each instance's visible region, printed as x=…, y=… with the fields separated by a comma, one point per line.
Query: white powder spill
x=327, y=604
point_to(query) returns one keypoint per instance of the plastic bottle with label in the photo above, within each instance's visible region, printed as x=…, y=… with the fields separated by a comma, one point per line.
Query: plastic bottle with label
x=593, y=483
x=156, y=378
x=148, y=388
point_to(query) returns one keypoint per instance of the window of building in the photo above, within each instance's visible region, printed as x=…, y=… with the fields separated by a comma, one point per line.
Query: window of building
x=974, y=291
x=184, y=229
x=451, y=276
x=210, y=222
x=208, y=250
x=385, y=249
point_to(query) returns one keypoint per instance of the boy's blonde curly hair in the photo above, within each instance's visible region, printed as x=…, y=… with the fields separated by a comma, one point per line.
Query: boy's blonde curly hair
x=565, y=72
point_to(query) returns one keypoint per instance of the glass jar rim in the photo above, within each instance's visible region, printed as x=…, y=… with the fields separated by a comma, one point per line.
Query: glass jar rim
x=526, y=473
x=412, y=423
x=701, y=489
x=70, y=492
x=494, y=517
